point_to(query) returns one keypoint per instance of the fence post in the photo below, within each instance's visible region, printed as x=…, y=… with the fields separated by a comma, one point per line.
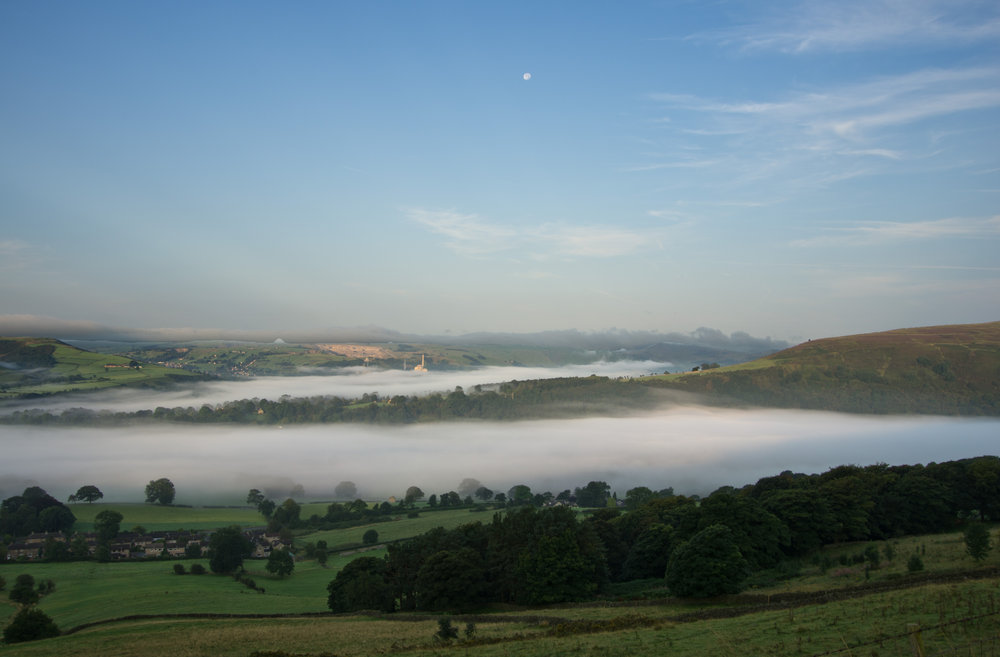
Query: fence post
x=916, y=641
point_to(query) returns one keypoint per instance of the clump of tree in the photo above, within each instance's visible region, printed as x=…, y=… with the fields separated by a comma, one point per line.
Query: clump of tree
x=527, y=556
x=707, y=565
x=34, y=510
x=227, y=548
x=160, y=491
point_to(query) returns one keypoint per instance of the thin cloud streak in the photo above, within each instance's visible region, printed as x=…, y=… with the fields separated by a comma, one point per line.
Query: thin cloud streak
x=866, y=25
x=881, y=232
x=471, y=235
x=883, y=124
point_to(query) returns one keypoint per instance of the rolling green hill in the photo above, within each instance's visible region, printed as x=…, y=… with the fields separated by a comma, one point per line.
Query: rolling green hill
x=951, y=369
x=44, y=366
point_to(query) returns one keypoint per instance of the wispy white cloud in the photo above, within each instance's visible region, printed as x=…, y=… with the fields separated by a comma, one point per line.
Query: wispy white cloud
x=858, y=25
x=847, y=110
x=466, y=233
x=812, y=138
x=881, y=232
x=470, y=234
x=14, y=255
x=876, y=152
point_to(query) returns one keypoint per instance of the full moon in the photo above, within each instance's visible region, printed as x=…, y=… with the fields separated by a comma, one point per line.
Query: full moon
x=527, y=76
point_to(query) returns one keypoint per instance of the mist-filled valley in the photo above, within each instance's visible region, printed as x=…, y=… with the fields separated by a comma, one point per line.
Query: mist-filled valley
x=348, y=383
x=692, y=449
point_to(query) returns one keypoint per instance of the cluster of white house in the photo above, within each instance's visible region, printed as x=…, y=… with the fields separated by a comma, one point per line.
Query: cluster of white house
x=128, y=545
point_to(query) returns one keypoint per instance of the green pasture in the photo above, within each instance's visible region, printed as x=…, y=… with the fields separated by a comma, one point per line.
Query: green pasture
x=398, y=528
x=89, y=591
x=157, y=517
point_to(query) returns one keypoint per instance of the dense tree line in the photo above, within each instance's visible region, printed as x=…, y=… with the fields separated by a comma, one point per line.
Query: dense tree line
x=526, y=556
x=702, y=546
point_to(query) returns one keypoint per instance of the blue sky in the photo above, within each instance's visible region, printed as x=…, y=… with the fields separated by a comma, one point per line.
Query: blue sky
x=790, y=169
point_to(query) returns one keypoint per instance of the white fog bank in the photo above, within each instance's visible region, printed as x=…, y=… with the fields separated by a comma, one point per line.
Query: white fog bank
x=694, y=450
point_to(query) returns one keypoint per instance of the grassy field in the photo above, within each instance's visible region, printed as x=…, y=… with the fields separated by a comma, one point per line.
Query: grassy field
x=398, y=528
x=156, y=517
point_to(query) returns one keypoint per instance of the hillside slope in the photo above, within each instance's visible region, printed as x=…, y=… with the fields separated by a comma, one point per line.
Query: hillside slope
x=44, y=366
x=952, y=369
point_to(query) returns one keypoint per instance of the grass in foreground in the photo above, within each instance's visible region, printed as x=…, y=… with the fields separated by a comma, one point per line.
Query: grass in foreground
x=960, y=615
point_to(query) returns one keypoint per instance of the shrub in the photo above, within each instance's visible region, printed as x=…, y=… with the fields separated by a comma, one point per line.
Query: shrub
x=30, y=624
x=179, y=569
x=446, y=631
x=915, y=563
x=370, y=537
x=977, y=540
x=197, y=569
x=872, y=556
x=24, y=592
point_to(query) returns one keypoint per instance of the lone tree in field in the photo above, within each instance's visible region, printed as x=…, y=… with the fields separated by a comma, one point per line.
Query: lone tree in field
x=280, y=563
x=87, y=494
x=255, y=497
x=345, y=490
x=228, y=547
x=160, y=491
x=977, y=540
x=413, y=493
x=709, y=564
x=370, y=537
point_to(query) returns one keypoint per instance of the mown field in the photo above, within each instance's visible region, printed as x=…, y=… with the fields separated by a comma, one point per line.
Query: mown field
x=818, y=606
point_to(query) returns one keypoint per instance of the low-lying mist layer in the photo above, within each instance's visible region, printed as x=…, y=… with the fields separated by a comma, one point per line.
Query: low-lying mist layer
x=349, y=383
x=692, y=449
